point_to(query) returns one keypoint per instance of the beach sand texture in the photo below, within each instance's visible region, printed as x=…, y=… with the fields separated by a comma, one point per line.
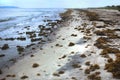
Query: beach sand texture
x=70, y=54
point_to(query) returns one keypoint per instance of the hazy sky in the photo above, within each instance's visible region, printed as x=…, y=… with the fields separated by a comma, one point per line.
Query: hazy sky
x=58, y=3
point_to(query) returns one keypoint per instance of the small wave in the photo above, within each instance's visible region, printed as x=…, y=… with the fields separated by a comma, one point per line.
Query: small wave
x=6, y=19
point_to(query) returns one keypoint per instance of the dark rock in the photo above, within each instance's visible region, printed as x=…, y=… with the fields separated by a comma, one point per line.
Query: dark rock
x=5, y=46
x=0, y=71
x=2, y=55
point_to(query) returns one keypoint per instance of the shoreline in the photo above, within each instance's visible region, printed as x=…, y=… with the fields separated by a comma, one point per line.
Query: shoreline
x=74, y=53
x=24, y=37
x=55, y=44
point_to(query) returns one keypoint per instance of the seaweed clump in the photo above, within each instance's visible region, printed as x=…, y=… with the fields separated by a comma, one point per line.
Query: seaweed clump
x=5, y=46
x=93, y=16
x=71, y=44
x=110, y=50
x=94, y=76
x=91, y=68
x=24, y=77
x=83, y=55
x=114, y=67
x=66, y=15
x=35, y=65
x=20, y=49
x=101, y=43
x=94, y=67
x=108, y=32
x=76, y=65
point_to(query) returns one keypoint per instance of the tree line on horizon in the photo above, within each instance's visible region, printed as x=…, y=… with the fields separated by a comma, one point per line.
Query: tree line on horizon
x=116, y=7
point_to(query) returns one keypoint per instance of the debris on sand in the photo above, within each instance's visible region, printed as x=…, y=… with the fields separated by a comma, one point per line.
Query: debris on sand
x=71, y=44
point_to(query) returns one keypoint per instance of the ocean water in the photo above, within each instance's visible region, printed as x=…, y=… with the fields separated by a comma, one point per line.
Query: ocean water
x=13, y=23
x=25, y=17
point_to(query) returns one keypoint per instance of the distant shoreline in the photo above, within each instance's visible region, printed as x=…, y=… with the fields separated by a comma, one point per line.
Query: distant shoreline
x=8, y=7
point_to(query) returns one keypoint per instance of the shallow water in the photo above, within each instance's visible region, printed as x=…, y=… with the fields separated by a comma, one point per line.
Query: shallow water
x=14, y=23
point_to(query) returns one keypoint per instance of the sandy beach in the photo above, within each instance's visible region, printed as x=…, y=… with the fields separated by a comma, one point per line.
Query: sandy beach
x=73, y=53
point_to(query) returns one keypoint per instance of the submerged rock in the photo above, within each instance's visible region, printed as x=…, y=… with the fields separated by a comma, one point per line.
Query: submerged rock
x=20, y=49
x=21, y=38
x=10, y=39
x=5, y=46
x=2, y=55
x=36, y=39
